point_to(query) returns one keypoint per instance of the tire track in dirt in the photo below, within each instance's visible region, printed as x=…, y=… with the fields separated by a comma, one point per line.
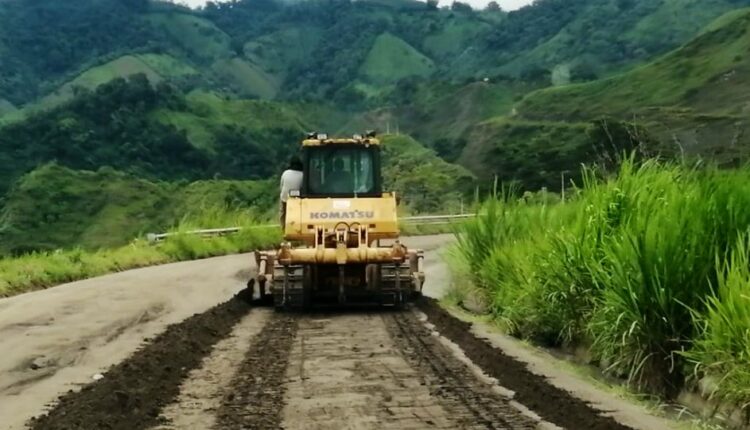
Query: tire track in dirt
x=132, y=393
x=386, y=370
x=346, y=372
x=201, y=393
x=255, y=397
x=472, y=403
x=531, y=390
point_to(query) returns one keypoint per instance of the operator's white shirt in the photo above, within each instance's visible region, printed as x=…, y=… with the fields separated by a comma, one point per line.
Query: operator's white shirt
x=291, y=180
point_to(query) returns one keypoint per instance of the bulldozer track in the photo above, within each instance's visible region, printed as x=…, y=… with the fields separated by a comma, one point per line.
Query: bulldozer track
x=355, y=370
x=474, y=405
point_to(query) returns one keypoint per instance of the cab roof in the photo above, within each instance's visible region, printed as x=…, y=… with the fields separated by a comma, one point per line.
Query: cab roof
x=348, y=141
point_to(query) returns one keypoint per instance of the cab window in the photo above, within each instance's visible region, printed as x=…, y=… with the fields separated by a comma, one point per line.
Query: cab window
x=341, y=171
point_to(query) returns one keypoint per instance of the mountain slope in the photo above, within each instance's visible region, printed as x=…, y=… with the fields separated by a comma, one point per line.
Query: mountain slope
x=708, y=74
x=155, y=67
x=54, y=207
x=74, y=35
x=694, y=100
x=153, y=132
x=690, y=102
x=391, y=60
x=594, y=36
x=427, y=183
x=321, y=50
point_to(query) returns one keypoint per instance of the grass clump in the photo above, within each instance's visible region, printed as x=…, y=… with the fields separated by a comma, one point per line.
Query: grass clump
x=722, y=349
x=643, y=269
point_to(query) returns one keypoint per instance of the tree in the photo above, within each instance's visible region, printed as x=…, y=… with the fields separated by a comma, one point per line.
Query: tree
x=493, y=6
x=458, y=6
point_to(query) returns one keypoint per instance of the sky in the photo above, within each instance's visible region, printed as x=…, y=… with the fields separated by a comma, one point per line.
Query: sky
x=505, y=4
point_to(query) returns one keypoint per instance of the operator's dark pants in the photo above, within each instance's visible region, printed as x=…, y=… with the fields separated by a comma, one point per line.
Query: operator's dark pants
x=282, y=214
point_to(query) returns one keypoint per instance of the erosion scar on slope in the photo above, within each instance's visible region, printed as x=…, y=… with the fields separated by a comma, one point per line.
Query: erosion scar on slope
x=255, y=397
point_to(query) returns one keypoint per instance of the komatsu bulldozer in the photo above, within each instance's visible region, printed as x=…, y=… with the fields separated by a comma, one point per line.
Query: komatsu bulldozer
x=341, y=234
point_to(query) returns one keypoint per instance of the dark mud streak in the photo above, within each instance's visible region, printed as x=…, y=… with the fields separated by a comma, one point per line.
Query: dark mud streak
x=132, y=393
x=471, y=402
x=533, y=391
x=255, y=399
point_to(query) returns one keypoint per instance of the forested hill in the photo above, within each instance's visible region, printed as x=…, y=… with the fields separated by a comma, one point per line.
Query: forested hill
x=326, y=49
x=102, y=101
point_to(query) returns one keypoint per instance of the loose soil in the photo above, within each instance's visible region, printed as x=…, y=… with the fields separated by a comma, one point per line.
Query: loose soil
x=385, y=370
x=472, y=403
x=364, y=370
x=131, y=394
x=254, y=399
x=201, y=394
x=531, y=390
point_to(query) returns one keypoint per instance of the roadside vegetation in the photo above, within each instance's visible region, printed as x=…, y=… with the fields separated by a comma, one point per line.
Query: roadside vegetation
x=647, y=270
x=40, y=270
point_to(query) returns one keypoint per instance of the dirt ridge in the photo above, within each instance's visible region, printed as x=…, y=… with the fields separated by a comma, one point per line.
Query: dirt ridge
x=132, y=393
x=533, y=391
x=255, y=398
x=472, y=402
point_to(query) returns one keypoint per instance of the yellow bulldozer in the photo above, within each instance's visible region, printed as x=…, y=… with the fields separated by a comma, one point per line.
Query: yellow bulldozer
x=341, y=234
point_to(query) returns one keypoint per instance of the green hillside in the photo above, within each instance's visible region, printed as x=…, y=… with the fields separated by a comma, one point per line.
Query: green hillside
x=452, y=38
x=708, y=74
x=319, y=50
x=278, y=52
x=426, y=182
x=156, y=67
x=391, y=60
x=153, y=131
x=439, y=113
x=197, y=36
x=689, y=102
x=6, y=108
x=45, y=42
x=593, y=36
x=537, y=154
x=246, y=79
x=693, y=100
x=207, y=116
x=54, y=207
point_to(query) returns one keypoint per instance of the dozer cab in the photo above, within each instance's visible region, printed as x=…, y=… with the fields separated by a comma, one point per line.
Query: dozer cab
x=341, y=234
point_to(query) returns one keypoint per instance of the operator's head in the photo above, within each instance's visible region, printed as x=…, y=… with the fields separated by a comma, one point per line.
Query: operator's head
x=338, y=165
x=295, y=163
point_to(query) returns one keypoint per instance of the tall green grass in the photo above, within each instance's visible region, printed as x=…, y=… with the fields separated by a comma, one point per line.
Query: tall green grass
x=642, y=268
x=722, y=348
x=45, y=269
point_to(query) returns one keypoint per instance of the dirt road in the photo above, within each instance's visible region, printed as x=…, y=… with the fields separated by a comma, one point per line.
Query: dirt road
x=210, y=360
x=59, y=339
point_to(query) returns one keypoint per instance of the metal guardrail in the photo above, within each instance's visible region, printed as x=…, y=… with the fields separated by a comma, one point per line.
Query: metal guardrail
x=215, y=232
x=435, y=219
